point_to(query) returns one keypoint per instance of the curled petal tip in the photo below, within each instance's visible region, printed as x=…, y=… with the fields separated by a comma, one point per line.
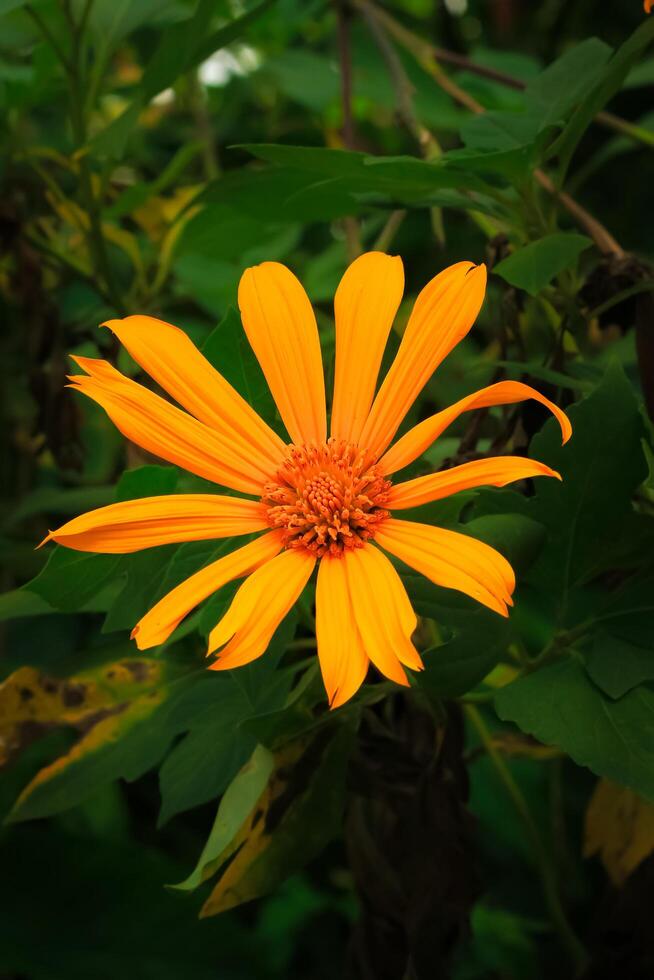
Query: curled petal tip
x=141, y=643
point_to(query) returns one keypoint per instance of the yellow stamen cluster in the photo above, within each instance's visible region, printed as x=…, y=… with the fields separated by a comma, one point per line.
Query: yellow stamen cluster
x=327, y=498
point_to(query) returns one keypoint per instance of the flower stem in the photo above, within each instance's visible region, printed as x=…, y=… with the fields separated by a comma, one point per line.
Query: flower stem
x=543, y=861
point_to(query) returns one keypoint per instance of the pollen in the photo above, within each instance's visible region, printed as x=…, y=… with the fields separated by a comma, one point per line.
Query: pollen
x=327, y=498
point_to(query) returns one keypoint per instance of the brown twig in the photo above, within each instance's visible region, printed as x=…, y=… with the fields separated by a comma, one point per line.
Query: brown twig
x=425, y=54
x=428, y=144
x=402, y=86
x=387, y=234
x=607, y=119
x=343, y=14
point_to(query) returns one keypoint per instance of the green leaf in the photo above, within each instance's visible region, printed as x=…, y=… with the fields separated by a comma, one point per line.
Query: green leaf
x=238, y=802
x=513, y=163
x=501, y=131
x=55, y=500
x=559, y=705
x=147, y=481
x=453, y=668
x=533, y=267
x=308, y=78
x=585, y=514
x=609, y=82
x=201, y=766
x=629, y=612
x=567, y=81
x=20, y=603
x=517, y=537
x=71, y=580
x=392, y=175
x=141, y=573
x=298, y=815
x=127, y=713
x=219, y=233
x=280, y=194
x=181, y=47
x=123, y=743
x=617, y=666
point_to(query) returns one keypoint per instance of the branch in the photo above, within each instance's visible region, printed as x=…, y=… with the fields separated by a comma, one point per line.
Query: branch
x=404, y=90
x=429, y=147
x=350, y=224
x=607, y=119
x=425, y=54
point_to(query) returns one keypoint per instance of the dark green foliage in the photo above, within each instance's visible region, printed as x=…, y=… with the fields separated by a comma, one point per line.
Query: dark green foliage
x=150, y=153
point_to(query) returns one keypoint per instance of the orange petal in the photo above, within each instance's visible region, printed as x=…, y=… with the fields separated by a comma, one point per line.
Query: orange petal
x=365, y=305
x=157, y=624
x=258, y=608
x=281, y=327
x=452, y=560
x=442, y=315
x=161, y=429
x=136, y=524
x=382, y=611
x=175, y=363
x=495, y=471
x=421, y=436
x=343, y=660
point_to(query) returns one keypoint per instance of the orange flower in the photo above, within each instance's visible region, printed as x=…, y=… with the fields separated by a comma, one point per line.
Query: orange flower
x=648, y=4
x=320, y=500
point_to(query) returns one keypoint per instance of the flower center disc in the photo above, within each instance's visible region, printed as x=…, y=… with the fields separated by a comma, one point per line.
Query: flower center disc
x=327, y=498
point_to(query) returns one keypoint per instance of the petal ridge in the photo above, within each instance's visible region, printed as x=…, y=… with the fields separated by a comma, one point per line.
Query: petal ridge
x=365, y=304
x=159, y=622
x=132, y=525
x=170, y=433
x=442, y=315
x=492, y=471
x=281, y=327
x=414, y=442
x=341, y=654
x=452, y=560
x=172, y=359
x=259, y=606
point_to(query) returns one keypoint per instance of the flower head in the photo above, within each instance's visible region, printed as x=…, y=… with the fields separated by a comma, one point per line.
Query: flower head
x=318, y=499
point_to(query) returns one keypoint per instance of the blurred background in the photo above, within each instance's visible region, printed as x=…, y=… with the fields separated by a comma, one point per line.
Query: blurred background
x=126, y=185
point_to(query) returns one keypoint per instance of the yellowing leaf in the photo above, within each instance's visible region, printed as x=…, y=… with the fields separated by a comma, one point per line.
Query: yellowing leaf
x=297, y=814
x=254, y=836
x=31, y=702
x=619, y=827
x=109, y=726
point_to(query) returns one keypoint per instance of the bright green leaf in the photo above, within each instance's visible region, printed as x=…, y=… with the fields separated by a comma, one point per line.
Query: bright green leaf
x=560, y=705
x=535, y=265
